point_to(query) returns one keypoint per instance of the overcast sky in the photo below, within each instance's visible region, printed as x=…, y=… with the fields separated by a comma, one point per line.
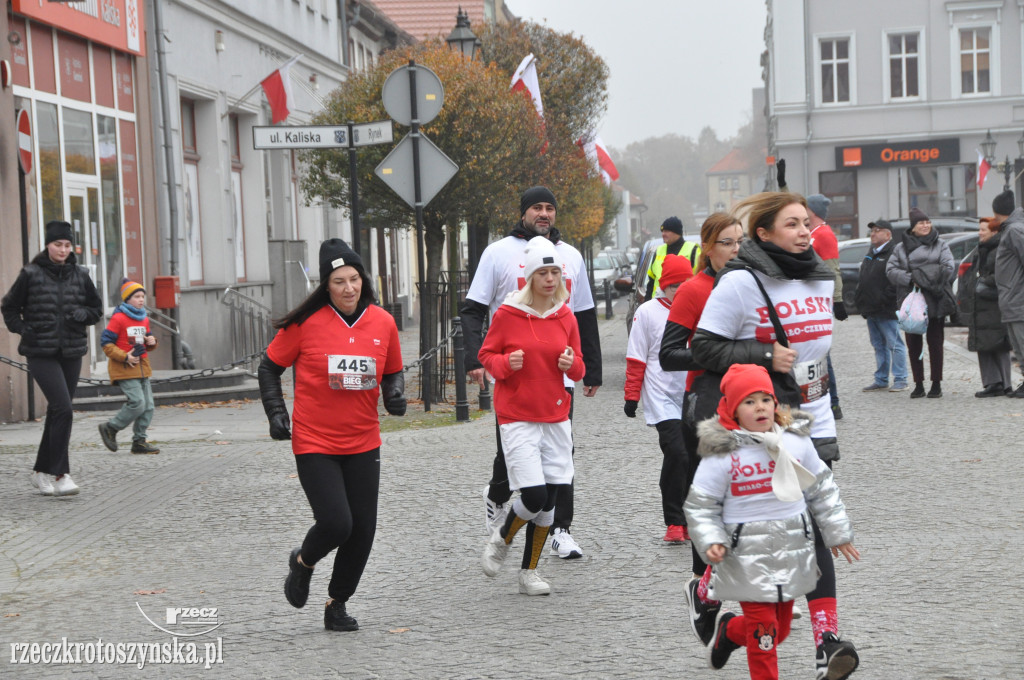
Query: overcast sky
x=676, y=65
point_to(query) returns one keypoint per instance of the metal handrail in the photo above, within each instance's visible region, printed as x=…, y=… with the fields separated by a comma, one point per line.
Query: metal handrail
x=251, y=326
x=302, y=268
x=161, y=320
x=245, y=298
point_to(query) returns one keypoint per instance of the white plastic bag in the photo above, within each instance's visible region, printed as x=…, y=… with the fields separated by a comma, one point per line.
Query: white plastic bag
x=913, y=314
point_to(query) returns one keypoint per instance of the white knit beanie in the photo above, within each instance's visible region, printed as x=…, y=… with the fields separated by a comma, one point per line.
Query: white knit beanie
x=540, y=252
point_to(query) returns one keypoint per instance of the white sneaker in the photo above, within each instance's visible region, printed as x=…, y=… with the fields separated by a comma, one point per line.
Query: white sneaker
x=495, y=513
x=65, y=486
x=495, y=553
x=563, y=545
x=530, y=583
x=43, y=482
x=798, y=612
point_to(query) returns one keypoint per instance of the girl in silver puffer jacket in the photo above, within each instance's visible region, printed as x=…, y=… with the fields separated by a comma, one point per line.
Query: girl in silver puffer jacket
x=749, y=511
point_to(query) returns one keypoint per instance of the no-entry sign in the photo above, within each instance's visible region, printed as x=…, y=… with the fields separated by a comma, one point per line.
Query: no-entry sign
x=24, y=142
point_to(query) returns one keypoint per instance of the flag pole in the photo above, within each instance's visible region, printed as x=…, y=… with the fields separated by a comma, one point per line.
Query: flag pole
x=238, y=103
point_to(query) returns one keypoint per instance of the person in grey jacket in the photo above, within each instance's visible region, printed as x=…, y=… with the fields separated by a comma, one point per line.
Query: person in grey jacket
x=758, y=484
x=1010, y=274
x=925, y=261
x=51, y=305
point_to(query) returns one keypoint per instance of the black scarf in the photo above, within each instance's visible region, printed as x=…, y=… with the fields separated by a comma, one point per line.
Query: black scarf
x=793, y=265
x=351, y=319
x=912, y=242
x=519, y=231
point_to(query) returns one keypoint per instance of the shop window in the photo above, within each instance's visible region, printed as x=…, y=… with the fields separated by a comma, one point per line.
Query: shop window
x=975, y=56
x=841, y=187
x=106, y=128
x=51, y=186
x=74, y=67
x=79, y=151
x=903, y=65
x=943, y=190
x=188, y=129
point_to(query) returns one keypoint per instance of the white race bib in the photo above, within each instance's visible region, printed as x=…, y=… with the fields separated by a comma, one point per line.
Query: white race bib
x=812, y=377
x=347, y=372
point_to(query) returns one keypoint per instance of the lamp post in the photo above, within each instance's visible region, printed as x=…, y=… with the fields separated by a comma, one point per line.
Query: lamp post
x=462, y=39
x=988, y=149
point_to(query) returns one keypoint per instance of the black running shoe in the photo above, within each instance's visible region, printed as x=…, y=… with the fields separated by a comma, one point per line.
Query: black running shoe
x=702, y=615
x=336, y=618
x=837, y=659
x=720, y=646
x=296, y=583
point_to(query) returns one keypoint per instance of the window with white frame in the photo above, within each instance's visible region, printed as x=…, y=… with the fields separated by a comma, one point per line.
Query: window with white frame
x=975, y=60
x=835, y=70
x=903, y=65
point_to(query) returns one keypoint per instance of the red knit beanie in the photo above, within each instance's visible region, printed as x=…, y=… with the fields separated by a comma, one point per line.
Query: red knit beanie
x=738, y=383
x=674, y=269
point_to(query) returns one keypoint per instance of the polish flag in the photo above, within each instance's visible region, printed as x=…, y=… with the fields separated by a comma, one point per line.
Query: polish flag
x=525, y=79
x=598, y=155
x=983, y=167
x=278, y=88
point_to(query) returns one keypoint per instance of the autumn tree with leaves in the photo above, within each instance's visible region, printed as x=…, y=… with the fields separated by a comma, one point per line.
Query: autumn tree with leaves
x=494, y=136
x=573, y=85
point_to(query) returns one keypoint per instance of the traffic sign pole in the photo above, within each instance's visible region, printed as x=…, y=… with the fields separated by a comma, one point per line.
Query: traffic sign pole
x=24, y=133
x=414, y=135
x=353, y=183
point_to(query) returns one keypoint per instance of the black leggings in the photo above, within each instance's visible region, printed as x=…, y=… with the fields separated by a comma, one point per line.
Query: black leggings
x=499, y=491
x=57, y=378
x=690, y=441
x=674, y=471
x=342, y=491
x=934, y=335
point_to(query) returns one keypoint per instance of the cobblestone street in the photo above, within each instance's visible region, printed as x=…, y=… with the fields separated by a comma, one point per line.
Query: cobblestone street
x=932, y=487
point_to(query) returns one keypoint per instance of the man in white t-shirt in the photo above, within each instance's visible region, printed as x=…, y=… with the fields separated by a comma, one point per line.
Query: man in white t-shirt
x=499, y=272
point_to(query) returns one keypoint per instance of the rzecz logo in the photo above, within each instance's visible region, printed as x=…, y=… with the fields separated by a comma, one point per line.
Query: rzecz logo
x=183, y=621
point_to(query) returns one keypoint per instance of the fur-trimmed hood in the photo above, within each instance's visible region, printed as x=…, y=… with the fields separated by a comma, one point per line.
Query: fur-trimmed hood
x=715, y=440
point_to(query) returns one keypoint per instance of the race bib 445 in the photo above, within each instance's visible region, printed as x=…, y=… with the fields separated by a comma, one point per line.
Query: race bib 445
x=346, y=372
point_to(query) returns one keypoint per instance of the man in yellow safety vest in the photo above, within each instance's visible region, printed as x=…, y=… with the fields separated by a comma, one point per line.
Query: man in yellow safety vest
x=672, y=235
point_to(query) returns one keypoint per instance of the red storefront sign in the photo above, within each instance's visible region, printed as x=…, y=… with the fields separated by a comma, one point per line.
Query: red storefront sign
x=117, y=23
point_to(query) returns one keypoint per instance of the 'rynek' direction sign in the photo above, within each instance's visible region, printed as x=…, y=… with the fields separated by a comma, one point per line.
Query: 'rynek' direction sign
x=321, y=136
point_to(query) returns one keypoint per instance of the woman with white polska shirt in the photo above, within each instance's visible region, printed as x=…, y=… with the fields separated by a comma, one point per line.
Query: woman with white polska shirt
x=736, y=327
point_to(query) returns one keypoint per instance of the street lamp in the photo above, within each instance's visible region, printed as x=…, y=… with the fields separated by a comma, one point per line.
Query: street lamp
x=988, y=149
x=461, y=38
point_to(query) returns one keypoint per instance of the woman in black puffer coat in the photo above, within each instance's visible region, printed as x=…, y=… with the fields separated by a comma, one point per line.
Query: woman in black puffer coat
x=51, y=305
x=979, y=298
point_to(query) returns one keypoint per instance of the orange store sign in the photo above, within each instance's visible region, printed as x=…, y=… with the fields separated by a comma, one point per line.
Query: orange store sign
x=117, y=23
x=925, y=152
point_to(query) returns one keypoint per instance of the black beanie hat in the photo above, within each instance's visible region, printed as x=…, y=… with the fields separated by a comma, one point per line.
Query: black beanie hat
x=336, y=253
x=57, y=230
x=673, y=224
x=1003, y=203
x=535, y=195
x=917, y=215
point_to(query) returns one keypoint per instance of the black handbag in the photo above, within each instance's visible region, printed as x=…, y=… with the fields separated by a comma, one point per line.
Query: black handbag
x=706, y=387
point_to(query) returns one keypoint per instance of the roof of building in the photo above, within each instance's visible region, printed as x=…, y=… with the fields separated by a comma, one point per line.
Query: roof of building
x=736, y=160
x=431, y=18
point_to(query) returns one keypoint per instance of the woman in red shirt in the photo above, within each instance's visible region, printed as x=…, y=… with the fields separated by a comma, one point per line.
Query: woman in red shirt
x=346, y=354
x=532, y=343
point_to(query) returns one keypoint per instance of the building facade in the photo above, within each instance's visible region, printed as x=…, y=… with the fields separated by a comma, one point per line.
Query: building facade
x=80, y=72
x=883, y=106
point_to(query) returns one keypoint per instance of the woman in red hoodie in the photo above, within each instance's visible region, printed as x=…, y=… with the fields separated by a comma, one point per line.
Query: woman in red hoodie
x=532, y=342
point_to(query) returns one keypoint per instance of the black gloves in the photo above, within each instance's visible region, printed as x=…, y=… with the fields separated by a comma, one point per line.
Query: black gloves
x=269, y=375
x=629, y=408
x=839, y=310
x=392, y=389
x=79, y=314
x=280, y=426
x=780, y=172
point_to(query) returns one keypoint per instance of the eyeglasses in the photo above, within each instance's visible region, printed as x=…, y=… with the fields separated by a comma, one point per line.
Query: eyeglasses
x=730, y=242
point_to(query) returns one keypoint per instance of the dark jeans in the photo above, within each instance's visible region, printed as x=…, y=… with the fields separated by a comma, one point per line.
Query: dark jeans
x=674, y=465
x=499, y=490
x=935, y=336
x=833, y=391
x=342, y=491
x=57, y=378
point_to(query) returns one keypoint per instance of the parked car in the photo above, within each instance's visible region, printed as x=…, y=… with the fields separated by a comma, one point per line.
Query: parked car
x=852, y=252
x=607, y=267
x=943, y=225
